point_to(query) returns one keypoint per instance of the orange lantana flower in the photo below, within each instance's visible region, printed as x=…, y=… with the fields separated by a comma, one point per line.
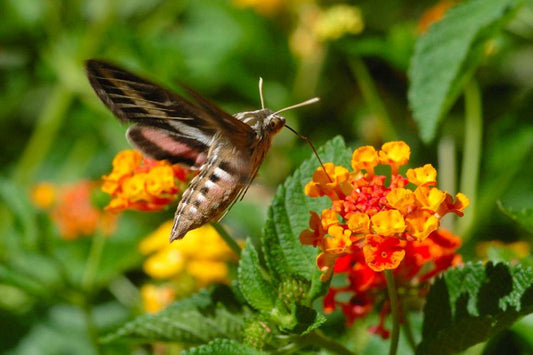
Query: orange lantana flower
x=142, y=184
x=72, y=210
x=369, y=214
x=378, y=223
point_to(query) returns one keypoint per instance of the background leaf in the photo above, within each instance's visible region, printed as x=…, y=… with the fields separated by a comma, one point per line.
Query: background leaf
x=523, y=216
x=194, y=320
x=470, y=304
x=223, y=346
x=446, y=56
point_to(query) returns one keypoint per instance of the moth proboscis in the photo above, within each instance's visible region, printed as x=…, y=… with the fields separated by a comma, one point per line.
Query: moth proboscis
x=226, y=149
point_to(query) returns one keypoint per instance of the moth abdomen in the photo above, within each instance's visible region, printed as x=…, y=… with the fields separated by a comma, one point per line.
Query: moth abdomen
x=210, y=193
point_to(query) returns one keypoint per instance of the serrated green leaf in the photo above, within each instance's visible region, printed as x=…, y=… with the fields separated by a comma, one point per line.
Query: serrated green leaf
x=253, y=284
x=288, y=216
x=223, y=346
x=444, y=58
x=195, y=320
x=470, y=304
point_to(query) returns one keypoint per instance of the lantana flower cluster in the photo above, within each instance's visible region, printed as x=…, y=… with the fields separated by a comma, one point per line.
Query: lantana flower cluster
x=379, y=222
x=143, y=184
x=365, y=288
x=72, y=210
x=178, y=268
x=370, y=215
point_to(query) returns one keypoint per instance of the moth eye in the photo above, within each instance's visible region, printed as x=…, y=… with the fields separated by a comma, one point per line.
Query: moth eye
x=275, y=123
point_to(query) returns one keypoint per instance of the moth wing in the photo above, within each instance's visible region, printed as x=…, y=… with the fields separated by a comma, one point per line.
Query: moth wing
x=162, y=144
x=134, y=99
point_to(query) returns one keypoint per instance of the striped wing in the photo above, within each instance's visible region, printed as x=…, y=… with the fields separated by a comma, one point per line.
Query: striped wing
x=167, y=125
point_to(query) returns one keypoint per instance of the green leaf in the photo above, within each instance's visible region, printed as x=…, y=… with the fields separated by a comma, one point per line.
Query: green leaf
x=253, y=284
x=470, y=304
x=195, y=320
x=288, y=216
x=223, y=346
x=304, y=320
x=510, y=179
x=447, y=55
x=15, y=198
x=522, y=216
x=60, y=330
x=35, y=274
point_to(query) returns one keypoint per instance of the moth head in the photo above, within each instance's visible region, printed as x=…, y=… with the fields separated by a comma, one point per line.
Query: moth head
x=274, y=123
x=266, y=120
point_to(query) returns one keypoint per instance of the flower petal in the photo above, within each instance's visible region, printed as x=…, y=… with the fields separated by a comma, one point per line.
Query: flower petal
x=383, y=253
x=388, y=223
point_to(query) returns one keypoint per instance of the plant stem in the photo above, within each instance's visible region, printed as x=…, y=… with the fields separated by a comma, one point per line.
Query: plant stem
x=395, y=310
x=447, y=173
x=227, y=238
x=308, y=73
x=87, y=284
x=93, y=261
x=372, y=98
x=48, y=123
x=318, y=339
x=408, y=331
x=471, y=154
x=91, y=328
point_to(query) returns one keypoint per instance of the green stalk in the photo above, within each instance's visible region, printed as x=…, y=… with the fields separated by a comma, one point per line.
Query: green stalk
x=471, y=155
x=87, y=284
x=408, y=331
x=318, y=339
x=227, y=238
x=308, y=74
x=91, y=328
x=93, y=261
x=43, y=136
x=395, y=310
x=372, y=98
x=447, y=173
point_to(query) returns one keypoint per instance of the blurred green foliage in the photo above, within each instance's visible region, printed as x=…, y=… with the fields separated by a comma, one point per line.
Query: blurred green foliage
x=53, y=128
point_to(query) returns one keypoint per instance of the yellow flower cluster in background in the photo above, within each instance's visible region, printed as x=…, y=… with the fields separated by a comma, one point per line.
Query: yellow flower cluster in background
x=202, y=255
x=156, y=297
x=317, y=26
x=337, y=21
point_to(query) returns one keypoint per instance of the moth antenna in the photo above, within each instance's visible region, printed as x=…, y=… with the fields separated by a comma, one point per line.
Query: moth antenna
x=313, y=148
x=261, y=93
x=305, y=103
